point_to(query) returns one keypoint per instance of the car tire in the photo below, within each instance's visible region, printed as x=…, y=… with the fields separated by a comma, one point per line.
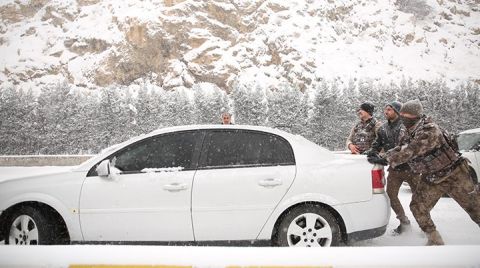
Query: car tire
x=308, y=225
x=29, y=226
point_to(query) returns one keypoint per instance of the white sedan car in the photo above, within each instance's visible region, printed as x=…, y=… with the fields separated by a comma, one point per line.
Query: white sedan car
x=469, y=146
x=201, y=185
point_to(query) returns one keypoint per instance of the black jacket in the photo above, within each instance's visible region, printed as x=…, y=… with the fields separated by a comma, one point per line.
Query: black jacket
x=390, y=135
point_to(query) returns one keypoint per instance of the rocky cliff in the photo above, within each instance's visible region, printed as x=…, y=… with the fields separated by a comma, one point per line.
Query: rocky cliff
x=175, y=43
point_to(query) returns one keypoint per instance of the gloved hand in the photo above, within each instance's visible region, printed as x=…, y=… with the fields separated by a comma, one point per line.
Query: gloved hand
x=370, y=152
x=376, y=159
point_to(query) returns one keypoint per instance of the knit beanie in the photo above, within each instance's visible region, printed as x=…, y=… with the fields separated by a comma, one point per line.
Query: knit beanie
x=396, y=106
x=368, y=107
x=413, y=107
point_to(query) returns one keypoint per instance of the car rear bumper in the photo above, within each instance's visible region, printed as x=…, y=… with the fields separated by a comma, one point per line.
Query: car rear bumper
x=366, y=219
x=366, y=234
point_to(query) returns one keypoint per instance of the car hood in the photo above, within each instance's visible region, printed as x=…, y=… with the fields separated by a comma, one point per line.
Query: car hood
x=33, y=173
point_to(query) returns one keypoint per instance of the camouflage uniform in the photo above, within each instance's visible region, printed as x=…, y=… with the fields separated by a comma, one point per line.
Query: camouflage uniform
x=363, y=134
x=442, y=170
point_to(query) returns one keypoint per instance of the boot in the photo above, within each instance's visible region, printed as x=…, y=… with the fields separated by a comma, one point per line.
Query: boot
x=434, y=239
x=402, y=228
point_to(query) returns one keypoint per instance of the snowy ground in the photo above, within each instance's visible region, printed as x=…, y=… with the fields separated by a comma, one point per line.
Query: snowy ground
x=461, y=235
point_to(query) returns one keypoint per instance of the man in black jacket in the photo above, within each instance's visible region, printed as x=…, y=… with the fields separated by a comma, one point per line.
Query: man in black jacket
x=389, y=135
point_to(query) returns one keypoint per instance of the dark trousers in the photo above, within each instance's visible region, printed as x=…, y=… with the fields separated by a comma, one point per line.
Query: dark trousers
x=394, y=181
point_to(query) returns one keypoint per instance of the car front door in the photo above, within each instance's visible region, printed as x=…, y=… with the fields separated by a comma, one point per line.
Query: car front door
x=241, y=178
x=147, y=196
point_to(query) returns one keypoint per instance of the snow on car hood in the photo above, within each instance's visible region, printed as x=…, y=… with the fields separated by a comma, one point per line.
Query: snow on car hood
x=13, y=173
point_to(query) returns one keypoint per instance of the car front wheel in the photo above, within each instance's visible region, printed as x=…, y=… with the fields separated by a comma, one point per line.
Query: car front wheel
x=28, y=226
x=308, y=226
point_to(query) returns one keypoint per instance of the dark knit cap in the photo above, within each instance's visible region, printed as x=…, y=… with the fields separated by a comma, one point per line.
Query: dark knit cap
x=396, y=106
x=368, y=107
x=413, y=107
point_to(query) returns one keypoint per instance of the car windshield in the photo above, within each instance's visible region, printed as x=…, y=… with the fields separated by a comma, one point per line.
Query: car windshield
x=468, y=141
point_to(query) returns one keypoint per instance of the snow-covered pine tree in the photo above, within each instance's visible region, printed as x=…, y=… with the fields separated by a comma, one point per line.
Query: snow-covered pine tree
x=76, y=123
x=54, y=114
x=249, y=104
x=114, y=117
x=178, y=108
x=468, y=115
x=324, y=123
x=147, y=110
x=407, y=90
x=209, y=102
x=368, y=91
x=287, y=109
x=87, y=123
x=16, y=121
x=125, y=116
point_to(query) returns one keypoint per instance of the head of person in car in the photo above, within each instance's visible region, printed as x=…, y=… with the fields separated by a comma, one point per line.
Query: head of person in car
x=226, y=118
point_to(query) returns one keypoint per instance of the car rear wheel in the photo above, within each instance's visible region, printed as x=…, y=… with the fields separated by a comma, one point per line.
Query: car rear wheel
x=308, y=226
x=28, y=226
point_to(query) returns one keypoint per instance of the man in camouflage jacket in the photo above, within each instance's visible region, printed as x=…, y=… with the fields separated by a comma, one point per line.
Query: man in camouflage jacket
x=441, y=168
x=390, y=135
x=364, y=132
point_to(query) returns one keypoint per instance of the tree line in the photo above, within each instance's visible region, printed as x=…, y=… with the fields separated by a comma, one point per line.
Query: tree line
x=65, y=120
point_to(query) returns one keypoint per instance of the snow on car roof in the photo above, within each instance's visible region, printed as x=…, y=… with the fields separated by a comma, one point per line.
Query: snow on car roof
x=219, y=126
x=469, y=131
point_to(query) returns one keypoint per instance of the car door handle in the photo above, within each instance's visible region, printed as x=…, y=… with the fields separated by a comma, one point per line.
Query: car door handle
x=270, y=182
x=175, y=187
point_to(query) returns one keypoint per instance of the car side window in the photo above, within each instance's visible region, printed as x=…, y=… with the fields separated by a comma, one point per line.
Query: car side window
x=160, y=152
x=233, y=148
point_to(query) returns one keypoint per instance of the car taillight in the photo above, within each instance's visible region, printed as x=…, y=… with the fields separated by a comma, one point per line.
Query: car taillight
x=378, y=179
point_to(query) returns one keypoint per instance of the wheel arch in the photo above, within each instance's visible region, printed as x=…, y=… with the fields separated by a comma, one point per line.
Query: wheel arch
x=334, y=213
x=49, y=211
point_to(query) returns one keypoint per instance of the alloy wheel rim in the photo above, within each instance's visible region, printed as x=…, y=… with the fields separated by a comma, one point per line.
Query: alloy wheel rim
x=23, y=231
x=309, y=230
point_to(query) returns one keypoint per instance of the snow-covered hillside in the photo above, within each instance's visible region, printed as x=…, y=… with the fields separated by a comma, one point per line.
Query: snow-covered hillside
x=176, y=43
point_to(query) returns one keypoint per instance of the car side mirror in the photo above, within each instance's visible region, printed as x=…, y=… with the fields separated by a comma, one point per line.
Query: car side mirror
x=103, y=169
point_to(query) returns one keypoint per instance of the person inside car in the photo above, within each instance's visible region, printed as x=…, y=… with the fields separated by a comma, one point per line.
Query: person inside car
x=226, y=118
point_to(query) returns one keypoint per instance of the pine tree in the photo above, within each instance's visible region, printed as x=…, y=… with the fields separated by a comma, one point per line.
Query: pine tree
x=114, y=117
x=178, y=108
x=55, y=111
x=249, y=105
x=321, y=120
x=16, y=122
x=87, y=130
x=209, y=102
x=287, y=109
x=147, y=110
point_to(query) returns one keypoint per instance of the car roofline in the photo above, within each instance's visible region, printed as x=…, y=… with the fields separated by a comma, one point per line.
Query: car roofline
x=470, y=131
x=88, y=164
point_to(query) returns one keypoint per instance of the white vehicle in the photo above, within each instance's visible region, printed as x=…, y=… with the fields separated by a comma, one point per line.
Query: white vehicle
x=201, y=184
x=469, y=145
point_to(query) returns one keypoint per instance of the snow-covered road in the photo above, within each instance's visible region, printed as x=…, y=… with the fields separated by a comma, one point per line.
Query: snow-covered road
x=460, y=233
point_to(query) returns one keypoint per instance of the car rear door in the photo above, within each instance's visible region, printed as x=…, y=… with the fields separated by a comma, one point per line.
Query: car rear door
x=148, y=196
x=241, y=178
